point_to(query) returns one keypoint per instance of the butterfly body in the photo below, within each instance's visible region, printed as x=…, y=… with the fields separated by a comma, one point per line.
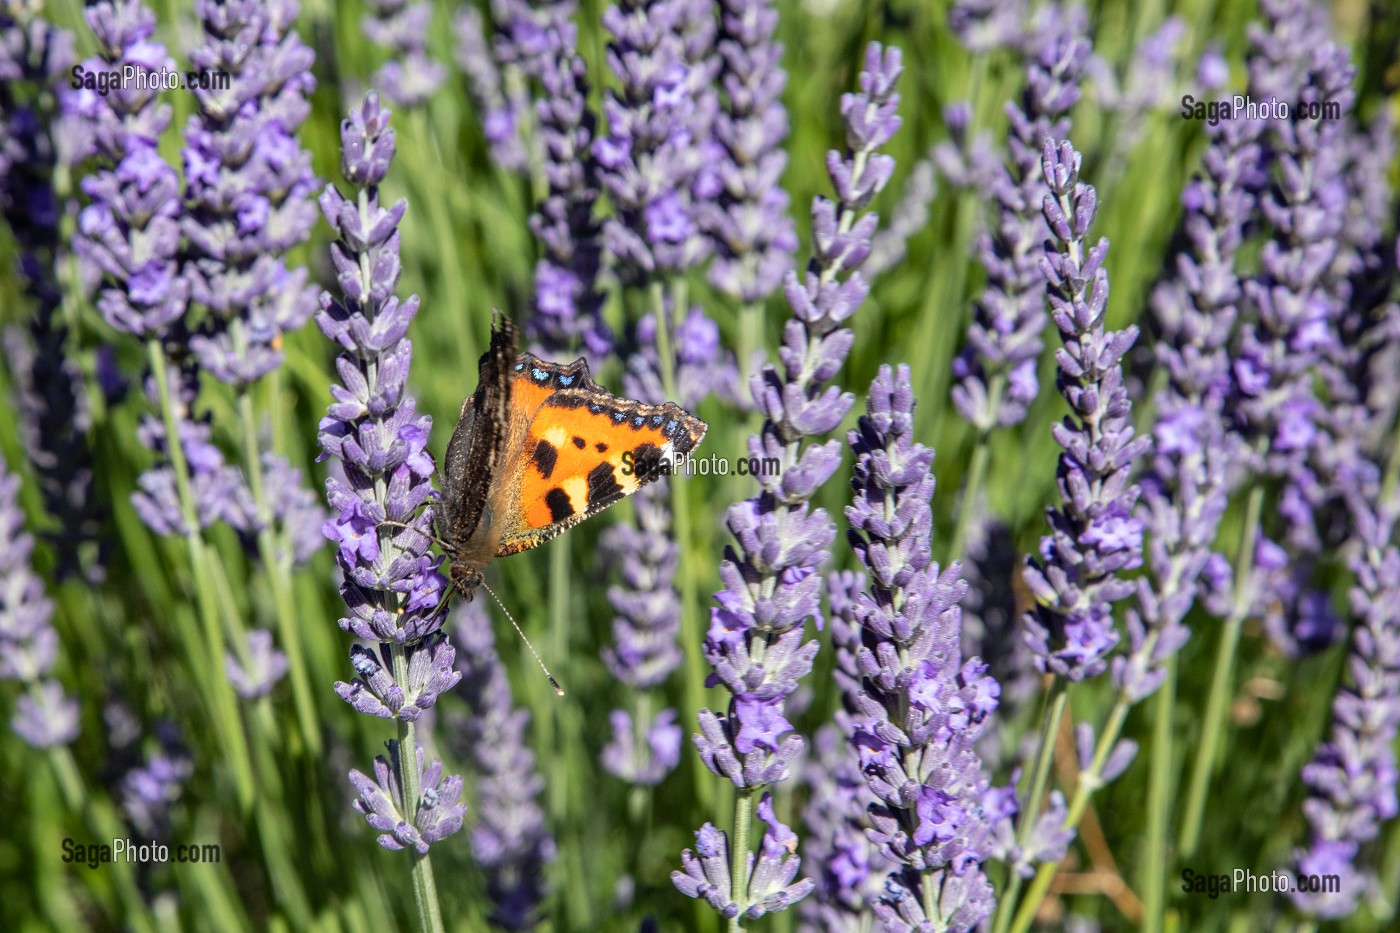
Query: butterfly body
x=539, y=448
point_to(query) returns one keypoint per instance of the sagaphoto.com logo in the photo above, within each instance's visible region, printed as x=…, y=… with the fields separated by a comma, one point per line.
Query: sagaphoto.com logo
x=103, y=81
x=704, y=465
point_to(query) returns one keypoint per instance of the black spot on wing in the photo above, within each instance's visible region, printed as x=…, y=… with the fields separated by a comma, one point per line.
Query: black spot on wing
x=601, y=447
x=545, y=457
x=603, y=488
x=580, y=443
x=560, y=507
x=646, y=461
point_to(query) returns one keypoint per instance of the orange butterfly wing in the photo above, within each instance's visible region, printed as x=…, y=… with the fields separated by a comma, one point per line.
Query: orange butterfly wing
x=577, y=449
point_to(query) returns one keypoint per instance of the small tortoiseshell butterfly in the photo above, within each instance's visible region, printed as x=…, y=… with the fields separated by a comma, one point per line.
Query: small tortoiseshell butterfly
x=539, y=448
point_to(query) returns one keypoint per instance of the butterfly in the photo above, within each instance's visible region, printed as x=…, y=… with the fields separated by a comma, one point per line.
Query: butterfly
x=539, y=448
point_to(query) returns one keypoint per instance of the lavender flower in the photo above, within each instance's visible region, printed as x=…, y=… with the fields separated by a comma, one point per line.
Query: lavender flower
x=771, y=582
x=988, y=25
x=1196, y=457
x=372, y=426
x=646, y=748
x=381, y=800
x=568, y=303
x=890, y=245
x=45, y=716
x=1351, y=780
x=130, y=230
x=510, y=841
x=847, y=868
x=500, y=115
x=706, y=875
x=645, y=650
x=966, y=160
x=649, y=161
x=248, y=187
x=749, y=223
x=1148, y=84
x=921, y=708
x=996, y=370
x=391, y=585
x=50, y=396
x=150, y=790
x=259, y=670
x=411, y=75
x=1294, y=323
x=1094, y=535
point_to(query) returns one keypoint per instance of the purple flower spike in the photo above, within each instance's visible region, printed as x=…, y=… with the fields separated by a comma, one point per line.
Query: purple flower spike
x=130, y=230
x=51, y=401
x=266, y=665
x=411, y=75
x=651, y=161
x=920, y=707
x=45, y=717
x=1094, y=535
x=996, y=370
x=1352, y=778
x=1296, y=311
x=510, y=840
x=772, y=587
x=375, y=431
x=439, y=814
x=248, y=189
x=749, y=224
x=390, y=582
x=568, y=303
x=1196, y=456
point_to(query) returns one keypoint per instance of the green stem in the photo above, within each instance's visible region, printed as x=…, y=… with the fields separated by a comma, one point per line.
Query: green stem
x=693, y=679
x=739, y=857
x=101, y=818
x=1159, y=782
x=1218, y=700
x=225, y=712
x=976, y=473
x=279, y=576
x=1392, y=469
x=424, y=887
x=1039, y=777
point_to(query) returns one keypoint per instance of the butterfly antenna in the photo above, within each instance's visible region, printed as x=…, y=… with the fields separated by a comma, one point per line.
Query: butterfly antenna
x=538, y=660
